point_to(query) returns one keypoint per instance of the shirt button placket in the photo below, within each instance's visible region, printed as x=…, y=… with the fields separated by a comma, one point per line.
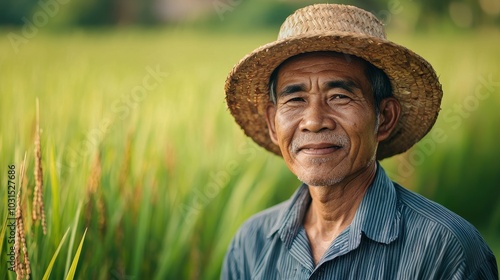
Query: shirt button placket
x=306, y=274
x=318, y=274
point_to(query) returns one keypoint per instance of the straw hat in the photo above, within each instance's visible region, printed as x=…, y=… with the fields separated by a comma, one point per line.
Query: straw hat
x=344, y=29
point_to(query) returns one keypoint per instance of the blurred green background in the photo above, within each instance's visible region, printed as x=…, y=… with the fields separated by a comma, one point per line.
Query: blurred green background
x=138, y=146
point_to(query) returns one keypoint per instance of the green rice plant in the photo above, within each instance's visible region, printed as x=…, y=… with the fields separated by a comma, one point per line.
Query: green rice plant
x=74, y=263
x=156, y=182
x=46, y=275
x=72, y=239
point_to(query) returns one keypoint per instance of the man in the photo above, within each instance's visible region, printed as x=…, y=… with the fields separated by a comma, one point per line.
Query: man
x=332, y=96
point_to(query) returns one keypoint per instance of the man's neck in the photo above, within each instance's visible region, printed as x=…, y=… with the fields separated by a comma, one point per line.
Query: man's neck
x=333, y=208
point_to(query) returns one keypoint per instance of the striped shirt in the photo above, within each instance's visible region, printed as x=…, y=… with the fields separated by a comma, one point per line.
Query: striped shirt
x=395, y=234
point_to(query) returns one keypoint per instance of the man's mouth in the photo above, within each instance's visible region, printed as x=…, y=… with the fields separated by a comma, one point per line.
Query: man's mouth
x=319, y=148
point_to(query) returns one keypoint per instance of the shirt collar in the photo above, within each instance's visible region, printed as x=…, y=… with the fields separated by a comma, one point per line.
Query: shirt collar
x=377, y=216
x=290, y=217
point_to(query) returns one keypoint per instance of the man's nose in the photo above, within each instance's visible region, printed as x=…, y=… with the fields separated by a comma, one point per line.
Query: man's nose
x=317, y=117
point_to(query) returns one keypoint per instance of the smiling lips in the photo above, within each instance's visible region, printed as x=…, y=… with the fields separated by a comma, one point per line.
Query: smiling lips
x=319, y=148
x=321, y=144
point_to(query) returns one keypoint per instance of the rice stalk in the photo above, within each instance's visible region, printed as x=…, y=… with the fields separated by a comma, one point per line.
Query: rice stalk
x=55, y=193
x=125, y=168
x=92, y=195
x=119, y=225
x=95, y=175
x=38, y=207
x=22, y=265
x=143, y=231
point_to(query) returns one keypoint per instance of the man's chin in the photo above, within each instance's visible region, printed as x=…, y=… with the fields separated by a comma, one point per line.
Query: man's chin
x=315, y=162
x=321, y=182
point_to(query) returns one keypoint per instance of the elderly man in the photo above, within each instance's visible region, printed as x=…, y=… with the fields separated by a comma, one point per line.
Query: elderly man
x=332, y=96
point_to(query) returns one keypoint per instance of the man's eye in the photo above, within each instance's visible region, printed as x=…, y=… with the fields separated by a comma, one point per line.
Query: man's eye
x=340, y=99
x=295, y=99
x=339, y=96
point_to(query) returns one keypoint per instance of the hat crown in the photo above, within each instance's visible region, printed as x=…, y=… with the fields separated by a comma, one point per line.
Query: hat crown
x=330, y=18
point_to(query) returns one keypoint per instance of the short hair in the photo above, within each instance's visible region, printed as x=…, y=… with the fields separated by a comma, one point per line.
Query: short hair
x=380, y=84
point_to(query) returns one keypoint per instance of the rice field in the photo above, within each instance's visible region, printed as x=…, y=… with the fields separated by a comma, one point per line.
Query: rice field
x=145, y=175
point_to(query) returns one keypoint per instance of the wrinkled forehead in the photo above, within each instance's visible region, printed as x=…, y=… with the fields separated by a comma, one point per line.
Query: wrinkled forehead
x=346, y=59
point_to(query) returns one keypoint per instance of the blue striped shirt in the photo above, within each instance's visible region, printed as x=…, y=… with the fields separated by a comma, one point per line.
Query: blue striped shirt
x=395, y=234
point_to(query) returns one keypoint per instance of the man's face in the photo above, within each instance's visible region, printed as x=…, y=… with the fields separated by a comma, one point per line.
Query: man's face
x=324, y=120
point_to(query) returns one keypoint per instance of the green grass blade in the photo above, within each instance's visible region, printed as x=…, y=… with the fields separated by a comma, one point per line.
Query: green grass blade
x=72, y=239
x=54, y=257
x=142, y=232
x=72, y=270
x=54, y=184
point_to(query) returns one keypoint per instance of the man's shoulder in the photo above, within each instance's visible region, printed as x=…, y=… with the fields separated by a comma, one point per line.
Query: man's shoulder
x=254, y=235
x=426, y=211
x=443, y=230
x=264, y=222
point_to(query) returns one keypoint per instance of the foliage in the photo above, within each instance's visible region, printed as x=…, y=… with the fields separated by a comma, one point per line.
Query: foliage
x=247, y=14
x=152, y=173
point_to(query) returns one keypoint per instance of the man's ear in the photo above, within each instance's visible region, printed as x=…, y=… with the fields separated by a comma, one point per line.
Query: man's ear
x=390, y=110
x=270, y=117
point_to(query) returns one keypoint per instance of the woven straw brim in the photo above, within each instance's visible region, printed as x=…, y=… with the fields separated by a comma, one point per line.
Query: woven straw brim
x=414, y=83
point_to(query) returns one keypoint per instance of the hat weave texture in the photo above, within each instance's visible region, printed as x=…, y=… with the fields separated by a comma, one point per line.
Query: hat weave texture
x=345, y=29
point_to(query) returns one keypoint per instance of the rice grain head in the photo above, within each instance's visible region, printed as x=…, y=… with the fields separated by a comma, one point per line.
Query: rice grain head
x=38, y=207
x=22, y=266
x=94, y=195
